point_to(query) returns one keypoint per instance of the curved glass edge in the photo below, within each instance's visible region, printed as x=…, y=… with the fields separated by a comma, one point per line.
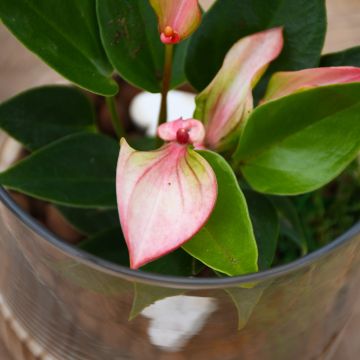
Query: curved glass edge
x=164, y=280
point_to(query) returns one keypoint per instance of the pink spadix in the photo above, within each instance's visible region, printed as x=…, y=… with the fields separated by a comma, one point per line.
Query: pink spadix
x=182, y=136
x=178, y=19
x=164, y=196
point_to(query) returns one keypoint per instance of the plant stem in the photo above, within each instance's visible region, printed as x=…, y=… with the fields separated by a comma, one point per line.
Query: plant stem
x=115, y=119
x=166, y=82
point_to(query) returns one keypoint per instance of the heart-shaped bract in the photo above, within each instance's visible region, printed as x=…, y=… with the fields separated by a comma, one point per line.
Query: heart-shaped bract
x=164, y=196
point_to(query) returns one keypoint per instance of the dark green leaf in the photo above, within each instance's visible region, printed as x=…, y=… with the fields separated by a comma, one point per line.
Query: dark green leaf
x=290, y=224
x=78, y=170
x=145, y=295
x=177, y=263
x=143, y=143
x=349, y=57
x=90, y=221
x=301, y=142
x=304, y=23
x=226, y=243
x=129, y=32
x=40, y=116
x=266, y=227
x=65, y=35
x=108, y=245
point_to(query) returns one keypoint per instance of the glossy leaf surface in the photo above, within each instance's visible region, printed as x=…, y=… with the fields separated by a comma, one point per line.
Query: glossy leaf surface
x=226, y=243
x=304, y=23
x=78, y=170
x=129, y=31
x=300, y=142
x=65, y=35
x=40, y=116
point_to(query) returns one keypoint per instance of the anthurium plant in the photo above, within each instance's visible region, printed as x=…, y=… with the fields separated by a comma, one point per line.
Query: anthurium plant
x=219, y=193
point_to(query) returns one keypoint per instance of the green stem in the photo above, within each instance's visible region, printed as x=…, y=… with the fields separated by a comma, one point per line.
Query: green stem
x=115, y=119
x=166, y=83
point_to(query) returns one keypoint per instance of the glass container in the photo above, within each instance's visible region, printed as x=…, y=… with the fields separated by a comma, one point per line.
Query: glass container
x=58, y=302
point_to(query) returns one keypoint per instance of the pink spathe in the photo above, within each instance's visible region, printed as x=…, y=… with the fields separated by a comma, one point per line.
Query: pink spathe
x=227, y=101
x=164, y=196
x=286, y=83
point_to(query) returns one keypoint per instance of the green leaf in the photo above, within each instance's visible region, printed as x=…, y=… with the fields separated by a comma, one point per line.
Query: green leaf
x=301, y=142
x=65, y=35
x=145, y=295
x=226, y=243
x=90, y=221
x=349, y=57
x=177, y=263
x=266, y=227
x=78, y=170
x=129, y=31
x=143, y=143
x=108, y=245
x=290, y=224
x=40, y=116
x=304, y=23
x=245, y=301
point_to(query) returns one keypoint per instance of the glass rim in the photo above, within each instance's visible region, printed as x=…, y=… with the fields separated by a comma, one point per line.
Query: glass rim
x=168, y=280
